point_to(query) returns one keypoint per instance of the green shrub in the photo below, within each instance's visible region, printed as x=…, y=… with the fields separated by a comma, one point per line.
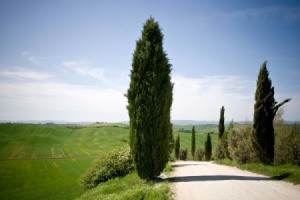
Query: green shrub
x=200, y=154
x=287, y=144
x=183, y=153
x=221, y=150
x=240, y=144
x=115, y=164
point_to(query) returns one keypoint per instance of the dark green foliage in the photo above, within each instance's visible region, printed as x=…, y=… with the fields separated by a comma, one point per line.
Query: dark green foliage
x=265, y=109
x=208, y=148
x=221, y=122
x=200, y=154
x=183, y=154
x=149, y=103
x=177, y=147
x=193, y=148
x=263, y=133
x=115, y=164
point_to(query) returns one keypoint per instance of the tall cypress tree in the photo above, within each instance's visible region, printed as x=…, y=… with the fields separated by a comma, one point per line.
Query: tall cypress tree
x=193, y=145
x=221, y=122
x=265, y=109
x=177, y=147
x=208, y=148
x=149, y=103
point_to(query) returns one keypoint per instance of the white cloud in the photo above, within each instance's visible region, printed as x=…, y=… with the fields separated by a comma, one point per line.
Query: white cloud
x=82, y=68
x=20, y=73
x=202, y=98
x=31, y=58
x=60, y=101
x=292, y=108
x=26, y=95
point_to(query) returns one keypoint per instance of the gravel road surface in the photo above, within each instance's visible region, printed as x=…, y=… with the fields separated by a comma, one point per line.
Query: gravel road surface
x=205, y=180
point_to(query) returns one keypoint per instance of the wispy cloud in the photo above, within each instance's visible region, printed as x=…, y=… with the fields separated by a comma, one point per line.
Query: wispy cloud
x=31, y=58
x=30, y=97
x=23, y=74
x=83, y=68
x=284, y=14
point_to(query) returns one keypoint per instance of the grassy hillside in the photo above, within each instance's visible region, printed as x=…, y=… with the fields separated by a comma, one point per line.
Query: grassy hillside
x=198, y=127
x=45, y=161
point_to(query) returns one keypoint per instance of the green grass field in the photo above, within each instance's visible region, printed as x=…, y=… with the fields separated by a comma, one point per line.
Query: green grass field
x=46, y=161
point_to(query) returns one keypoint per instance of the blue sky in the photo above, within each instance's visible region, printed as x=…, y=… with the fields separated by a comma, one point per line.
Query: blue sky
x=70, y=60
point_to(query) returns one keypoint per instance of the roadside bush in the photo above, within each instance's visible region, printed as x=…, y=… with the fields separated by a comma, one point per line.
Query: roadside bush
x=183, y=153
x=200, y=154
x=221, y=150
x=240, y=144
x=287, y=144
x=115, y=164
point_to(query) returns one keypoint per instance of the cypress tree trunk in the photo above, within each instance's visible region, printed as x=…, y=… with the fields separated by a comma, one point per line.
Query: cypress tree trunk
x=149, y=103
x=208, y=148
x=193, y=145
x=177, y=147
x=221, y=122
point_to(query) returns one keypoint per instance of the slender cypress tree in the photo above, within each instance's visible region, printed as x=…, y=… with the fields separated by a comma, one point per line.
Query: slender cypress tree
x=221, y=122
x=177, y=147
x=193, y=145
x=149, y=103
x=265, y=109
x=208, y=148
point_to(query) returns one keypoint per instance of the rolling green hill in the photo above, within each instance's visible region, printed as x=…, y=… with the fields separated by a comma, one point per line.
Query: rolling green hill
x=46, y=161
x=198, y=127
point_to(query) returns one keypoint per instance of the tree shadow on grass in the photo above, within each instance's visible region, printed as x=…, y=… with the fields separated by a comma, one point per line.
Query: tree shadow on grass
x=282, y=176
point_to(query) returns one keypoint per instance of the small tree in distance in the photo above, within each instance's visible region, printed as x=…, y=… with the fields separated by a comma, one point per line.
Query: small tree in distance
x=208, y=148
x=193, y=148
x=177, y=147
x=221, y=122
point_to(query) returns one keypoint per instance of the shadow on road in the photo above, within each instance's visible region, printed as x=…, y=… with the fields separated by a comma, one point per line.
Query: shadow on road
x=216, y=178
x=184, y=165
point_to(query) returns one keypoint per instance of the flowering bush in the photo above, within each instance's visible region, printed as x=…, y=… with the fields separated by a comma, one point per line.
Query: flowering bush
x=115, y=164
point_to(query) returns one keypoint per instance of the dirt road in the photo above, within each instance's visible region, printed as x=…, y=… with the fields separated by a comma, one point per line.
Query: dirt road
x=205, y=180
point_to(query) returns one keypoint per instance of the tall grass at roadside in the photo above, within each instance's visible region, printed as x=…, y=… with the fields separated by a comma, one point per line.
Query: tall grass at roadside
x=130, y=187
